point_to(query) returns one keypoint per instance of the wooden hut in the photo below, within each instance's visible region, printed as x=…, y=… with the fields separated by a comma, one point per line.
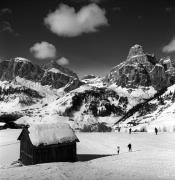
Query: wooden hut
x=42, y=143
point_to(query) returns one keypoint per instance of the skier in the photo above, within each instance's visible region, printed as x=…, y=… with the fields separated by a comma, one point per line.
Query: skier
x=156, y=130
x=130, y=130
x=129, y=147
x=118, y=150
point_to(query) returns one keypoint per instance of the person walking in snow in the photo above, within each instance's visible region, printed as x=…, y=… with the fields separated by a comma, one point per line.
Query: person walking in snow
x=129, y=147
x=130, y=130
x=156, y=130
x=118, y=150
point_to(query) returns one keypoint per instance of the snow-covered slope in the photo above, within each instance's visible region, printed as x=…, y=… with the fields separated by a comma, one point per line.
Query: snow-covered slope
x=159, y=112
x=127, y=96
x=87, y=106
x=93, y=80
x=152, y=158
x=14, y=97
x=26, y=87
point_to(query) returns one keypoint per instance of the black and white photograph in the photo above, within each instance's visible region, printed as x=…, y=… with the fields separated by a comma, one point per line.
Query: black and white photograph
x=87, y=90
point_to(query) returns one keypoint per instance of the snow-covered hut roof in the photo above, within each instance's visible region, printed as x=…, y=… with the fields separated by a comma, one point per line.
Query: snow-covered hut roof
x=54, y=133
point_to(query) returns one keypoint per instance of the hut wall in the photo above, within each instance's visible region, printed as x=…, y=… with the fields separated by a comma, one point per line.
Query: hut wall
x=55, y=153
x=26, y=150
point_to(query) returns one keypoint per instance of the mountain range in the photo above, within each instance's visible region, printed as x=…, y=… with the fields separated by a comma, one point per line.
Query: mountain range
x=137, y=93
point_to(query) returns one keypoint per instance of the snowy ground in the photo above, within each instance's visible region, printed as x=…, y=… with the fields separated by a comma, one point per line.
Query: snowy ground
x=9, y=146
x=152, y=158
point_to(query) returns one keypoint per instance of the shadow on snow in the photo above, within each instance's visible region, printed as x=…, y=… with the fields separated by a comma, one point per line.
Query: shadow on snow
x=88, y=157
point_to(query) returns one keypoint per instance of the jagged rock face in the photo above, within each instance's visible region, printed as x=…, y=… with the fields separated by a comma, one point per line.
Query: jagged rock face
x=22, y=68
x=169, y=70
x=3, y=65
x=58, y=76
x=158, y=78
x=51, y=74
x=135, y=51
x=57, y=80
x=141, y=69
x=53, y=64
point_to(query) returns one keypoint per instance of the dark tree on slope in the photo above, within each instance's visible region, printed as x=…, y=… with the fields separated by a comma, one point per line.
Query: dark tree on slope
x=173, y=97
x=98, y=127
x=97, y=103
x=161, y=100
x=77, y=101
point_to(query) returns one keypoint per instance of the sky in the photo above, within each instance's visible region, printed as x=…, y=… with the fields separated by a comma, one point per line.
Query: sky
x=87, y=36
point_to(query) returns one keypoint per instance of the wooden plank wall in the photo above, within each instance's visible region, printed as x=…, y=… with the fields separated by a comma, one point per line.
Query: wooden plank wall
x=66, y=153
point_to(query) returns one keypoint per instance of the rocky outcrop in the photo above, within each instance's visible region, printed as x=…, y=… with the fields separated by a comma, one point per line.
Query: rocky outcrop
x=21, y=67
x=158, y=77
x=58, y=76
x=51, y=74
x=142, y=69
x=169, y=68
x=135, y=50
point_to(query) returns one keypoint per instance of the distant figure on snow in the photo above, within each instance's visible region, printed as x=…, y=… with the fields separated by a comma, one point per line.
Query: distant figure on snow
x=129, y=147
x=156, y=130
x=118, y=150
x=130, y=130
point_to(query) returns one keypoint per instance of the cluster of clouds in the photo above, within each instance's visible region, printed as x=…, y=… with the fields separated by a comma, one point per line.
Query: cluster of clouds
x=68, y=22
x=45, y=50
x=65, y=21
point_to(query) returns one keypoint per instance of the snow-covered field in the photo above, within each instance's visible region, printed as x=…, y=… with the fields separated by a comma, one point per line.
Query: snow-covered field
x=152, y=158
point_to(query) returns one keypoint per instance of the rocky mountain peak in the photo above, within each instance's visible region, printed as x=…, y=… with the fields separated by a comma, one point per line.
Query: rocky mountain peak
x=21, y=59
x=142, y=69
x=136, y=50
x=53, y=66
x=50, y=74
x=137, y=56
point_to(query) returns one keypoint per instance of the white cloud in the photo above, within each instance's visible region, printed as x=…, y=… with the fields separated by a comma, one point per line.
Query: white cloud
x=63, y=61
x=43, y=50
x=65, y=21
x=170, y=47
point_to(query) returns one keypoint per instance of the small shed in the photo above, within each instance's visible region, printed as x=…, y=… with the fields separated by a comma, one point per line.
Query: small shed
x=43, y=142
